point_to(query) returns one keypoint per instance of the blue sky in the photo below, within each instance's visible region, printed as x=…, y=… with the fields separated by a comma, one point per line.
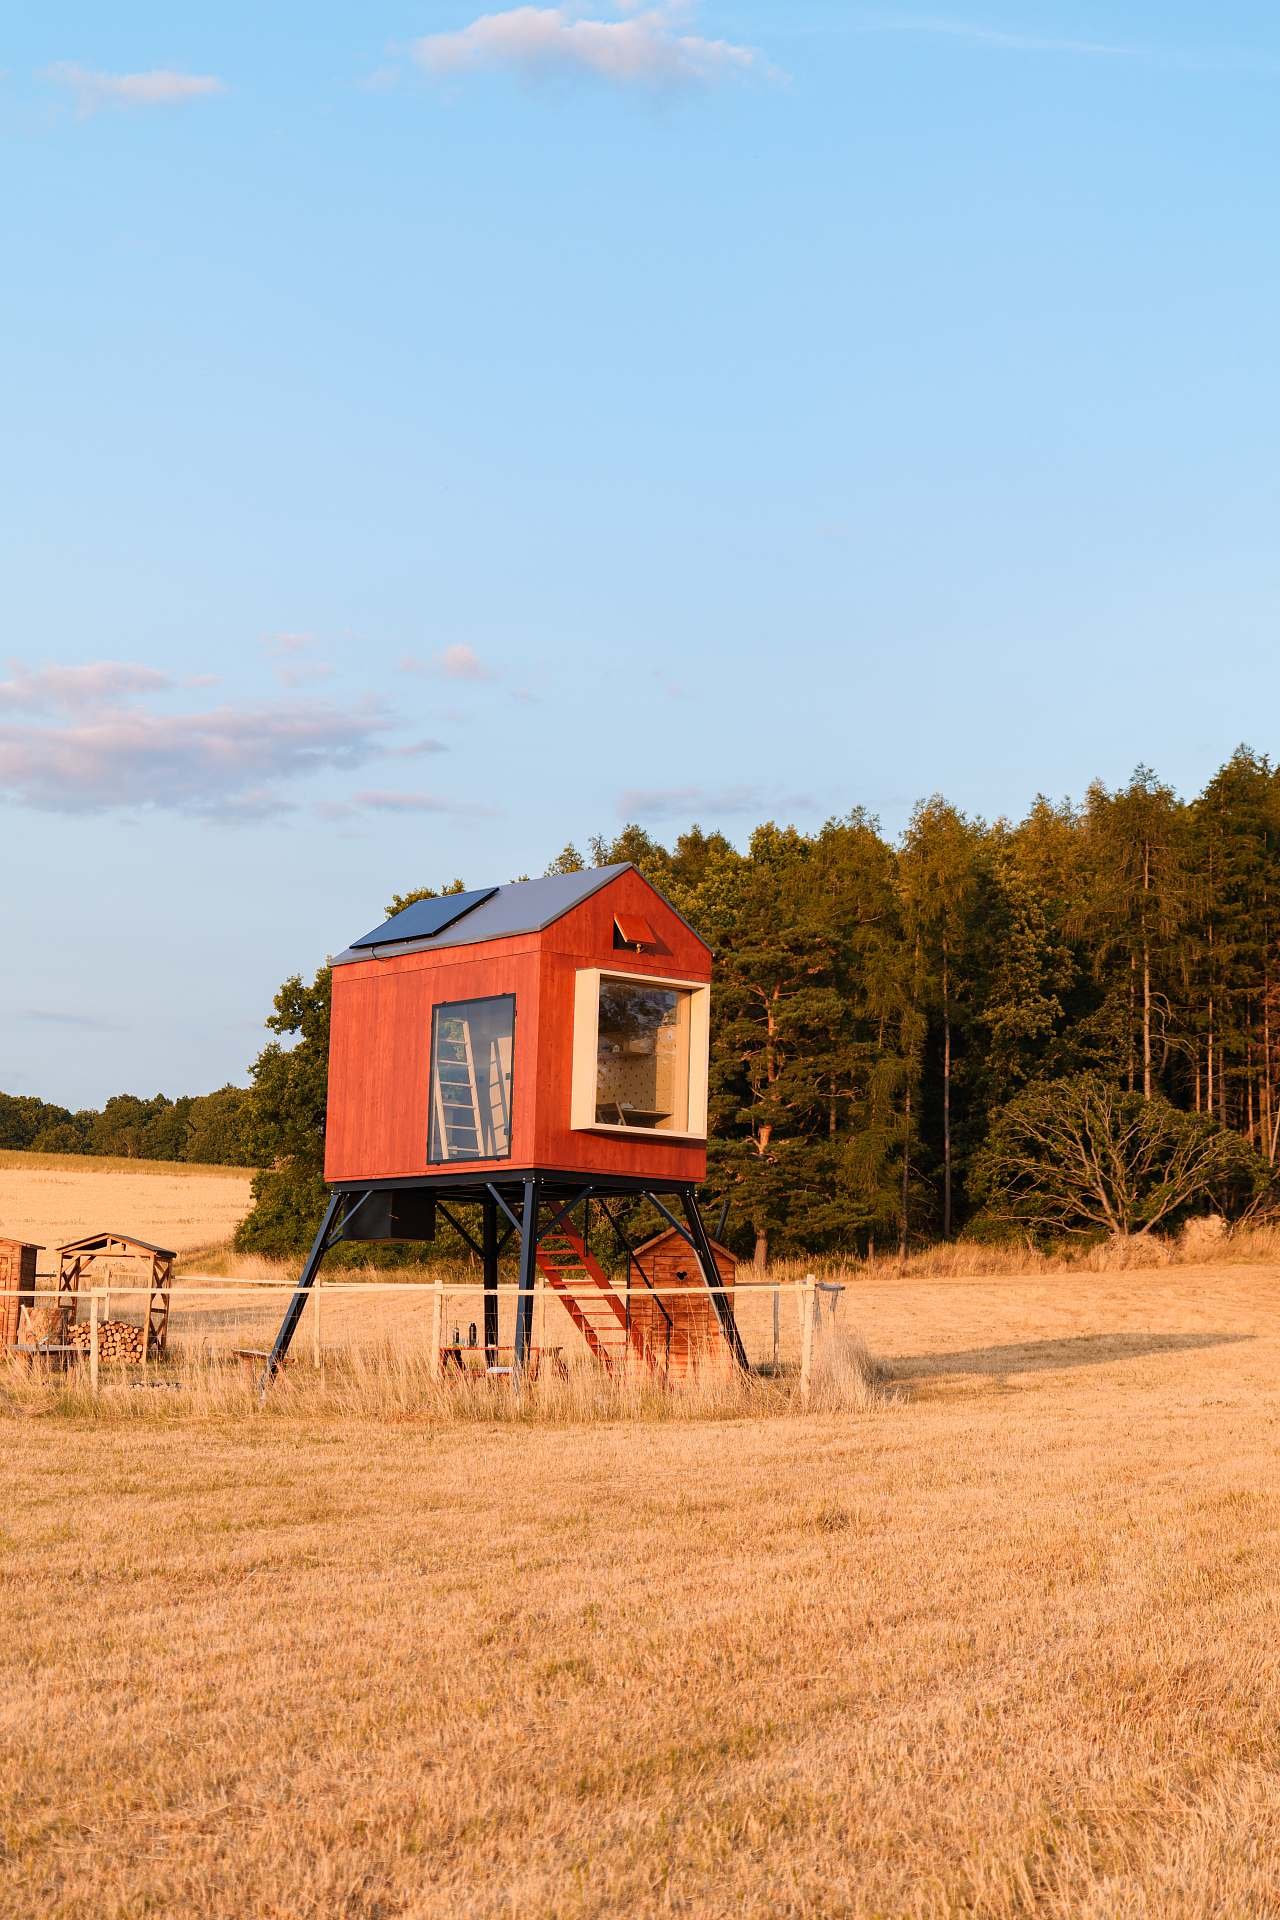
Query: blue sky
x=432, y=435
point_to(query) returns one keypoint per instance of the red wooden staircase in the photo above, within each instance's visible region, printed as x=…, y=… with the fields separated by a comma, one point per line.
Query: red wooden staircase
x=597, y=1310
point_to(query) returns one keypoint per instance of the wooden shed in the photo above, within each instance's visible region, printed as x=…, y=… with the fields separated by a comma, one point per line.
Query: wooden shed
x=17, y=1285
x=679, y=1330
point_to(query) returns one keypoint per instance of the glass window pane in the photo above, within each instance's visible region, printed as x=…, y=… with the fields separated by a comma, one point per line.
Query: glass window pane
x=642, y=1056
x=472, y=1042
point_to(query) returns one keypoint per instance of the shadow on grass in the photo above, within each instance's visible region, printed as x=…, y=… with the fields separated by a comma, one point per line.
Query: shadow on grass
x=1046, y=1356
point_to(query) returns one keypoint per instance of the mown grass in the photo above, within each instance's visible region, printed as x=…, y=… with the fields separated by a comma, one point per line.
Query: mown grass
x=1000, y=1643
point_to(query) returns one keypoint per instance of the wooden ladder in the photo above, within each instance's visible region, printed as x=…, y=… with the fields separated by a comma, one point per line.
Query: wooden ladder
x=458, y=1097
x=597, y=1310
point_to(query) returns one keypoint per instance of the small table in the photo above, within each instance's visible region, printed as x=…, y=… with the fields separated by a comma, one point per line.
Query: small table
x=454, y=1356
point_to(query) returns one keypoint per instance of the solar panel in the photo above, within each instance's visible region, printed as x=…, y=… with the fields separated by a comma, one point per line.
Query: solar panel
x=425, y=917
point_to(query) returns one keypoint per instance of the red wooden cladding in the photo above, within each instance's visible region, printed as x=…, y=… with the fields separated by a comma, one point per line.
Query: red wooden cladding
x=694, y=1338
x=379, y=1050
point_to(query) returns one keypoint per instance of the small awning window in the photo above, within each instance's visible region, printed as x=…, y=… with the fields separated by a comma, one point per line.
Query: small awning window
x=632, y=930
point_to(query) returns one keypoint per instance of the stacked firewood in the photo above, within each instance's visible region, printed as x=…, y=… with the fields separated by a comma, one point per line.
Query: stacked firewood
x=117, y=1339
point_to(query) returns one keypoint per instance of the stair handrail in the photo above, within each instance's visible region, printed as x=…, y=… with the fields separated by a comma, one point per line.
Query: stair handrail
x=634, y=1258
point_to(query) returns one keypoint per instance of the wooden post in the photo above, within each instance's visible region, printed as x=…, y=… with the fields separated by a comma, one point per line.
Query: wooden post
x=93, y=1343
x=437, y=1321
x=806, y=1339
x=777, y=1329
x=315, y=1327
x=146, y=1327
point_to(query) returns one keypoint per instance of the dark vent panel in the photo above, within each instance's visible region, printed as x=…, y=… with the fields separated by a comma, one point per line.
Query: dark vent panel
x=425, y=918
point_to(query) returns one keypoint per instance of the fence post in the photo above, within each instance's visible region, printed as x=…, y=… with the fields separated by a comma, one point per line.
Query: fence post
x=315, y=1325
x=777, y=1329
x=437, y=1321
x=806, y=1339
x=93, y=1343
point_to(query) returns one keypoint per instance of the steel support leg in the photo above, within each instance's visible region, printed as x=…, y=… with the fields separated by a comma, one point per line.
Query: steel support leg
x=528, y=1268
x=293, y=1312
x=489, y=1242
x=711, y=1274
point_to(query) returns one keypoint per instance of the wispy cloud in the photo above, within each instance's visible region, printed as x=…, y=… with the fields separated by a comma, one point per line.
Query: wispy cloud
x=458, y=662
x=1184, y=59
x=295, y=665
x=384, y=800
x=665, y=803
x=1010, y=41
x=647, y=47
x=80, y=1022
x=159, y=87
x=63, y=689
x=378, y=800
x=414, y=749
x=79, y=740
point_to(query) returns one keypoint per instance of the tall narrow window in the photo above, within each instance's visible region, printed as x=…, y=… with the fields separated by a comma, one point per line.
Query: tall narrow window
x=472, y=1042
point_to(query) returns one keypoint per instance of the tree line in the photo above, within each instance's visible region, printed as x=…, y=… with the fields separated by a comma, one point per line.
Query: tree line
x=916, y=1038
x=211, y=1129
x=911, y=1038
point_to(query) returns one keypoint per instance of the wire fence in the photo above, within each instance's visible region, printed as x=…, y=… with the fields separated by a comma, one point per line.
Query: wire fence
x=437, y=1326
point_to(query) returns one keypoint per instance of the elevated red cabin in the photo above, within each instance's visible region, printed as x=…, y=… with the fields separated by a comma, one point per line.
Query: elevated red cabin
x=557, y=1025
x=527, y=1052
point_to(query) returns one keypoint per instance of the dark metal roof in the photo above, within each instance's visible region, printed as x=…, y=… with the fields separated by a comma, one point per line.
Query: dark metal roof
x=425, y=918
x=522, y=906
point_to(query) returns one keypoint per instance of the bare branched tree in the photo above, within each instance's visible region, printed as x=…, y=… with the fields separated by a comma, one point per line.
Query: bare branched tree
x=1080, y=1156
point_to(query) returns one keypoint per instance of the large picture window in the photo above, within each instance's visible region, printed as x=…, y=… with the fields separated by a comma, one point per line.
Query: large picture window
x=472, y=1042
x=640, y=1055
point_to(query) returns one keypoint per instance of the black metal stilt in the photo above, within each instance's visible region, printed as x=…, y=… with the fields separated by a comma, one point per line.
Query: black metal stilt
x=711, y=1274
x=306, y=1280
x=528, y=1257
x=489, y=1241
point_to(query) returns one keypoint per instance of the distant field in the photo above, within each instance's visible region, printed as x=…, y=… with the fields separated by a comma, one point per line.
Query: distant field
x=1004, y=1645
x=53, y=1197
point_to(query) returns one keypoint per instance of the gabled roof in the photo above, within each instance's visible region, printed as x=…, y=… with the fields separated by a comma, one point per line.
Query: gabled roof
x=101, y=1242
x=522, y=906
x=674, y=1233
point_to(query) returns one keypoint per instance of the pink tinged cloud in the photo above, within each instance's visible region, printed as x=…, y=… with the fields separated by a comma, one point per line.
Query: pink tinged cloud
x=63, y=689
x=227, y=763
x=379, y=800
x=160, y=87
x=458, y=662
x=664, y=803
x=646, y=49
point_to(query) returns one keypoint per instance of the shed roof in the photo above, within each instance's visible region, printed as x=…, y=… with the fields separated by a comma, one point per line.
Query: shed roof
x=100, y=1242
x=674, y=1233
x=522, y=906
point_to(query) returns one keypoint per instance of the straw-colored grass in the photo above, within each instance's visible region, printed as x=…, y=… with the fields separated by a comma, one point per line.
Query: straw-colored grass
x=54, y=1197
x=1000, y=1642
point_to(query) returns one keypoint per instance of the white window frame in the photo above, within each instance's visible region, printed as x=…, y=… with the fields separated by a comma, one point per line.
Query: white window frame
x=586, y=1047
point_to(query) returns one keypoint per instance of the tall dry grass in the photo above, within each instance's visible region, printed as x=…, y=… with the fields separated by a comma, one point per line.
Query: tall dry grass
x=389, y=1382
x=1200, y=1241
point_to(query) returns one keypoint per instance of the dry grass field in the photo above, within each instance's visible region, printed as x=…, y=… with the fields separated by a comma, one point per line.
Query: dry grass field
x=1003, y=1642
x=54, y=1197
